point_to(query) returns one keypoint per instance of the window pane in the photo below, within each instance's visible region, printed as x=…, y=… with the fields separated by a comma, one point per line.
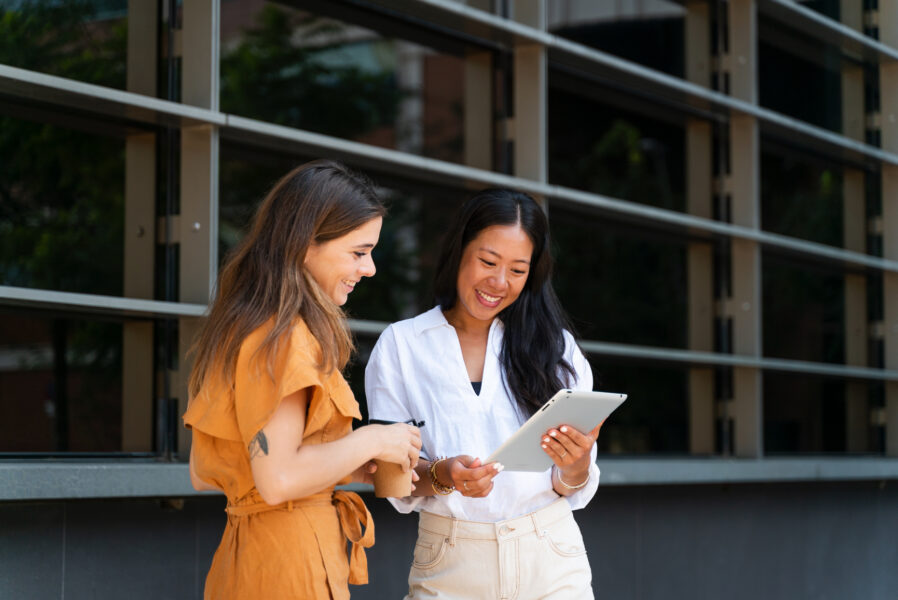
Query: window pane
x=620, y=283
x=648, y=33
x=803, y=311
x=604, y=142
x=802, y=197
x=61, y=208
x=655, y=417
x=60, y=383
x=810, y=80
x=812, y=414
x=314, y=72
x=85, y=40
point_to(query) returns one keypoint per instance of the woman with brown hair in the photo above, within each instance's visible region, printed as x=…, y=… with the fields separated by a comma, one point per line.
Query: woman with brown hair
x=271, y=413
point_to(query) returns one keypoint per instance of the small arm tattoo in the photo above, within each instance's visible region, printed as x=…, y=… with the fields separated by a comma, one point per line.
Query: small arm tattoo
x=258, y=444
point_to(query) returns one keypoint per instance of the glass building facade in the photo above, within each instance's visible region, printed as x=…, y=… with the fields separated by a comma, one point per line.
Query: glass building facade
x=721, y=180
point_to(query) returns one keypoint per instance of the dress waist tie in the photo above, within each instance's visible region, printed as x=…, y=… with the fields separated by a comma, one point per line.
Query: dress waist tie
x=355, y=521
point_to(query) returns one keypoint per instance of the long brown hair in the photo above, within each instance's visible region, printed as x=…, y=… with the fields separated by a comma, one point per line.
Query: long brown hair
x=264, y=277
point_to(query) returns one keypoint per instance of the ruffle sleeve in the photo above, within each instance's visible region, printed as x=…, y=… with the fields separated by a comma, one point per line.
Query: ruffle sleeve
x=211, y=411
x=258, y=392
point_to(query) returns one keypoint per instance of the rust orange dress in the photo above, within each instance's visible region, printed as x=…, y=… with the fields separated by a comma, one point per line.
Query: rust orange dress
x=296, y=549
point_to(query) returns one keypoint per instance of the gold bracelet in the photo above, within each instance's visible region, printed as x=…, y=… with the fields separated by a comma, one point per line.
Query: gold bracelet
x=571, y=487
x=439, y=488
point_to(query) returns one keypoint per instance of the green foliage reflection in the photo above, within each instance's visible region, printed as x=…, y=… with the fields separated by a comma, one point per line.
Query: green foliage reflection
x=291, y=69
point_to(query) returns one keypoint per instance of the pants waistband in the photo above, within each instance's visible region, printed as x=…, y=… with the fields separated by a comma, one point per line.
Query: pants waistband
x=535, y=522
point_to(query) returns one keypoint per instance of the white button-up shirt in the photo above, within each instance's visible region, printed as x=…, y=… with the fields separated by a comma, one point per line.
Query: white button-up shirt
x=416, y=371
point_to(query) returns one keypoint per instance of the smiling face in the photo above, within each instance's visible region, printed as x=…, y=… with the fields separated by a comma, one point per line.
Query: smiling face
x=338, y=264
x=493, y=270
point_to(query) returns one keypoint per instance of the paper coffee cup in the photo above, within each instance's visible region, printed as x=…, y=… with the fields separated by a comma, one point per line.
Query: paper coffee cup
x=390, y=481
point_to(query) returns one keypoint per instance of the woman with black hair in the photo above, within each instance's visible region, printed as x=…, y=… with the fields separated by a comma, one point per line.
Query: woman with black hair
x=469, y=372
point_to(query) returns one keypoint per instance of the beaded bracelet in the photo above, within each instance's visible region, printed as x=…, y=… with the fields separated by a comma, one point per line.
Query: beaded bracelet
x=439, y=488
x=571, y=487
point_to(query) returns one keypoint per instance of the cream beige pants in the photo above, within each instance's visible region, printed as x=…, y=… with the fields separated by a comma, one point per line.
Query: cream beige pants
x=537, y=556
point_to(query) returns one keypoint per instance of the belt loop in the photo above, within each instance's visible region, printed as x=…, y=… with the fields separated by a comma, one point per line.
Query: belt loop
x=453, y=530
x=290, y=505
x=540, y=532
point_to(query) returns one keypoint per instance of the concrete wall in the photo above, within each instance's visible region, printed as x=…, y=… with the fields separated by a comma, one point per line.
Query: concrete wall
x=775, y=541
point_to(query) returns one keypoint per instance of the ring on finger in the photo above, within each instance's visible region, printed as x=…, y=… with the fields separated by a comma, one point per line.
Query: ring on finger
x=464, y=484
x=565, y=454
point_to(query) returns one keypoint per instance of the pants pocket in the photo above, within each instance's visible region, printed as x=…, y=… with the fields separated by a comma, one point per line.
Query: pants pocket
x=564, y=538
x=429, y=550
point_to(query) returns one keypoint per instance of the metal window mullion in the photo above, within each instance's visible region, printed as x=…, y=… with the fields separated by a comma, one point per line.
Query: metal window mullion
x=100, y=100
x=700, y=260
x=847, y=35
x=198, y=223
x=139, y=234
x=744, y=307
x=888, y=85
x=856, y=327
x=367, y=328
x=97, y=304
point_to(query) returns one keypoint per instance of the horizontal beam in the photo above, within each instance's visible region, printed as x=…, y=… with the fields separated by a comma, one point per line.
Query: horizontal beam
x=96, y=304
x=695, y=358
x=69, y=479
x=100, y=100
x=654, y=471
x=23, y=480
x=825, y=29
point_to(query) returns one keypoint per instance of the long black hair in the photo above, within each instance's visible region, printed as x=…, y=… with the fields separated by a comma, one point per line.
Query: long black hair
x=532, y=354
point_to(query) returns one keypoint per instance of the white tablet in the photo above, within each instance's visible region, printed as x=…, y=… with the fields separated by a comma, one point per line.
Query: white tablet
x=584, y=410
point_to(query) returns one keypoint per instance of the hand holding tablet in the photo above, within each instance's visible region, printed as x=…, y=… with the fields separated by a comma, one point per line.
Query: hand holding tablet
x=582, y=410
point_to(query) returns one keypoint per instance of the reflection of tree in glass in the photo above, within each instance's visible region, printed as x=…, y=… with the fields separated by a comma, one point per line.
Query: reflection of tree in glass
x=61, y=195
x=622, y=163
x=61, y=191
x=271, y=75
x=800, y=199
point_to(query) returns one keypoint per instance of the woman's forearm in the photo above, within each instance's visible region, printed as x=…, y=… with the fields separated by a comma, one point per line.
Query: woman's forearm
x=314, y=467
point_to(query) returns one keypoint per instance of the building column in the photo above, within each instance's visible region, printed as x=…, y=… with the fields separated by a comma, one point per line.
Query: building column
x=744, y=307
x=888, y=86
x=139, y=234
x=198, y=222
x=888, y=82
x=854, y=234
x=530, y=97
x=857, y=413
x=700, y=259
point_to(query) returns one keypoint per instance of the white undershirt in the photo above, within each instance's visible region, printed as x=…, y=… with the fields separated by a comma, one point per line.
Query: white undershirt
x=416, y=371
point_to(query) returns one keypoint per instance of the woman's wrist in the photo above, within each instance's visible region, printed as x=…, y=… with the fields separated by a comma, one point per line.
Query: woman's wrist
x=437, y=472
x=572, y=481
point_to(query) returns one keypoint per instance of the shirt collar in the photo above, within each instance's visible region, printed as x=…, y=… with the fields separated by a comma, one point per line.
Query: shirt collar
x=428, y=320
x=435, y=318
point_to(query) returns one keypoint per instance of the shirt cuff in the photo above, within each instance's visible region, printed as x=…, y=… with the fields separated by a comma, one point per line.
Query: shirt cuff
x=581, y=497
x=407, y=505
